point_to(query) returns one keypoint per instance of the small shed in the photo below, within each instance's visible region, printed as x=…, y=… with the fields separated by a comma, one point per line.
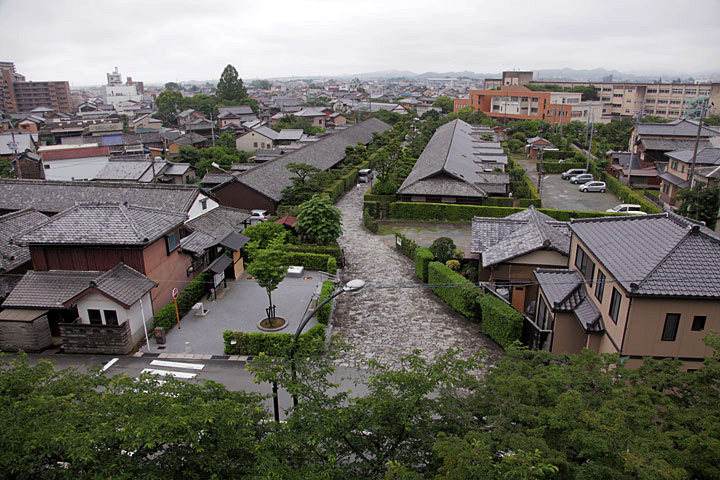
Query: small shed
x=24, y=329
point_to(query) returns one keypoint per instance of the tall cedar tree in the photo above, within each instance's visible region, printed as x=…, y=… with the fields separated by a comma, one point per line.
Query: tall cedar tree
x=230, y=87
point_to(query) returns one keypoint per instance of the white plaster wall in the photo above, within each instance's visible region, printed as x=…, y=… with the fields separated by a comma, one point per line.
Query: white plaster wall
x=196, y=208
x=134, y=315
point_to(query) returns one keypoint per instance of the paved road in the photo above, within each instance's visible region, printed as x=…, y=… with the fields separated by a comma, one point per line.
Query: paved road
x=561, y=194
x=386, y=323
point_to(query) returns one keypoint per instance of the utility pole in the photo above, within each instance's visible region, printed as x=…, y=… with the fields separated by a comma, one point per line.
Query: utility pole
x=589, y=148
x=632, y=148
x=540, y=170
x=697, y=142
x=212, y=127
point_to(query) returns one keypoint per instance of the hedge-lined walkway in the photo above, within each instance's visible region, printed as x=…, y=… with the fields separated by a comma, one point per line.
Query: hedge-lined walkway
x=385, y=324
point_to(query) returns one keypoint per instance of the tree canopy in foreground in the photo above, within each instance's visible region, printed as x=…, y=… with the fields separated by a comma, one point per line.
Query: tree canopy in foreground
x=533, y=415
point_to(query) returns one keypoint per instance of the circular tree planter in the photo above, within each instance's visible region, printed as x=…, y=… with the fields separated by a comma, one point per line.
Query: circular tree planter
x=278, y=324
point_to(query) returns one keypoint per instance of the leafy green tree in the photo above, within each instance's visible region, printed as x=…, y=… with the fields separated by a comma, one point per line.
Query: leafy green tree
x=169, y=104
x=304, y=183
x=226, y=140
x=173, y=86
x=6, y=170
x=446, y=103
x=230, y=86
x=589, y=92
x=653, y=119
x=298, y=123
x=68, y=424
x=388, y=159
x=268, y=269
x=713, y=120
x=319, y=221
x=262, y=84
x=443, y=248
x=701, y=203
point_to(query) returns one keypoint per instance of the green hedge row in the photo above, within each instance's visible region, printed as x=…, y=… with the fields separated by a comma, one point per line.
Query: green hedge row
x=555, y=167
x=455, y=290
x=311, y=261
x=370, y=221
x=457, y=213
x=371, y=197
x=193, y=293
x=526, y=202
x=336, y=189
x=498, y=202
x=500, y=321
x=559, y=154
x=373, y=208
x=323, y=314
x=333, y=250
x=624, y=193
x=274, y=344
x=423, y=257
x=331, y=267
x=406, y=246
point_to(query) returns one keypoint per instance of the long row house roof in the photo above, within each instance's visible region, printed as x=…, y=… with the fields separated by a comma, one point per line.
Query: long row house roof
x=272, y=177
x=457, y=163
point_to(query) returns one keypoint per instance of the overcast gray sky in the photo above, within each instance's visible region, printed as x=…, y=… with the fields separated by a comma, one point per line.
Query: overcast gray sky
x=158, y=41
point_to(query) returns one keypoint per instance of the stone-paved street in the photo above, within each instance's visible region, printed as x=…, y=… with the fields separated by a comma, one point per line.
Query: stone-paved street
x=387, y=323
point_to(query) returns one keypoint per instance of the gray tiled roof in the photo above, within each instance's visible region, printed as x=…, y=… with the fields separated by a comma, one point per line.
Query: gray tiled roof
x=677, y=128
x=104, y=224
x=500, y=239
x=565, y=291
x=12, y=225
x=705, y=156
x=210, y=228
x=178, y=168
x=46, y=196
x=290, y=134
x=119, y=170
x=124, y=284
x=272, y=177
x=663, y=254
x=225, y=112
x=52, y=289
x=451, y=153
x=667, y=144
x=48, y=289
x=216, y=178
x=675, y=180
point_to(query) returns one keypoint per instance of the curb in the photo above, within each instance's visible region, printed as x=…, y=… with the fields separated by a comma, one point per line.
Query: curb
x=193, y=356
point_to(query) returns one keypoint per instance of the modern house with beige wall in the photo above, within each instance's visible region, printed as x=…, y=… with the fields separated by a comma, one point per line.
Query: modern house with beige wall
x=641, y=286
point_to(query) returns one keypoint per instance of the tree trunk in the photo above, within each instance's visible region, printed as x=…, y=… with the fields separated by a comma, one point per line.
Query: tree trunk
x=271, y=318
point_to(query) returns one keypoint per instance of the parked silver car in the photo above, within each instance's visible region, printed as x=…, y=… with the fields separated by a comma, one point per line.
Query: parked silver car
x=572, y=172
x=258, y=216
x=582, y=178
x=593, y=186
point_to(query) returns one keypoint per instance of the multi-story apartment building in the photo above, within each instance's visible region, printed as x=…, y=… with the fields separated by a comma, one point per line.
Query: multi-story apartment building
x=521, y=103
x=19, y=95
x=664, y=100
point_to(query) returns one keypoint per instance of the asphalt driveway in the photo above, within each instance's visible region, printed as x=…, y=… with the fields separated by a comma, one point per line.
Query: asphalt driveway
x=562, y=195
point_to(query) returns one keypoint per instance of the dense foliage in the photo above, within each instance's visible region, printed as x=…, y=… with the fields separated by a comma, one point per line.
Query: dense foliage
x=319, y=221
x=533, y=415
x=423, y=257
x=454, y=289
x=500, y=321
x=276, y=344
x=701, y=203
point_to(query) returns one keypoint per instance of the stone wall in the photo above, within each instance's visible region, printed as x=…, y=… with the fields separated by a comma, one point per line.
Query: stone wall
x=84, y=338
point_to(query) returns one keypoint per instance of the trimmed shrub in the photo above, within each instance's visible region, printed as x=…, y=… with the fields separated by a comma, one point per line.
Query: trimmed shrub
x=371, y=197
x=323, y=314
x=526, y=202
x=387, y=187
x=372, y=208
x=311, y=261
x=331, y=267
x=191, y=294
x=455, y=290
x=558, y=154
x=423, y=256
x=333, y=250
x=498, y=202
x=407, y=246
x=556, y=167
x=336, y=189
x=625, y=194
x=369, y=221
x=443, y=249
x=273, y=344
x=500, y=321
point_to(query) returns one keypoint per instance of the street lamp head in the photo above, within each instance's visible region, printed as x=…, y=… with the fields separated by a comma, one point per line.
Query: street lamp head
x=354, y=285
x=214, y=164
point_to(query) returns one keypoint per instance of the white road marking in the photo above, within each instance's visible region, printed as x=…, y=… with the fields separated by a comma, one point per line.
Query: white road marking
x=167, y=373
x=190, y=366
x=110, y=364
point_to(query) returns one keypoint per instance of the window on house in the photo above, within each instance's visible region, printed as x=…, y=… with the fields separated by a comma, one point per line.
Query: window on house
x=672, y=320
x=543, y=316
x=203, y=203
x=698, y=323
x=666, y=188
x=254, y=144
x=111, y=317
x=615, y=305
x=94, y=317
x=173, y=241
x=584, y=264
x=600, y=285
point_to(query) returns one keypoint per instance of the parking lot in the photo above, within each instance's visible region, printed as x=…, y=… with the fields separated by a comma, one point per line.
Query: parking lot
x=563, y=195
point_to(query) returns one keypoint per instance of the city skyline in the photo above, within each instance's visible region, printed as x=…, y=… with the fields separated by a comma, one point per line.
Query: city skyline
x=81, y=42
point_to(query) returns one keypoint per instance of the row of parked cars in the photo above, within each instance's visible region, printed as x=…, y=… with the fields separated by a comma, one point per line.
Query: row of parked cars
x=586, y=180
x=589, y=184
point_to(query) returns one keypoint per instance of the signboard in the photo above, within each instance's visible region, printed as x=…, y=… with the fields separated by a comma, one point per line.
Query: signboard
x=218, y=278
x=175, y=293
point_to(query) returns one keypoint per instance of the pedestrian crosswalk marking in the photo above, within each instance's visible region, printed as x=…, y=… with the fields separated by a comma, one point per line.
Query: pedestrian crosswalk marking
x=189, y=366
x=168, y=373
